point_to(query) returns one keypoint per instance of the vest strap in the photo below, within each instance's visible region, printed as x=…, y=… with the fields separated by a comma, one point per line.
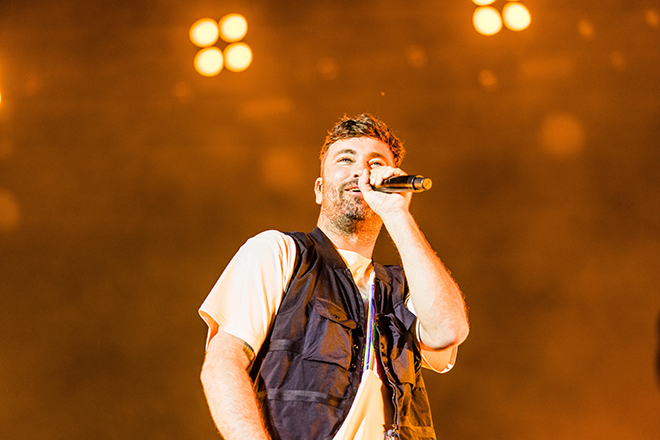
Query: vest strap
x=285, y=345
x=304, y=396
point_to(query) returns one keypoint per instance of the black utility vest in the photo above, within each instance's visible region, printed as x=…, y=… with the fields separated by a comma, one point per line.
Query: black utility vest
x=308, y=370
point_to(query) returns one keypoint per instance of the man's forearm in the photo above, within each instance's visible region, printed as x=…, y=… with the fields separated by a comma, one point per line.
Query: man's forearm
x=229, y=392
x=437, y=299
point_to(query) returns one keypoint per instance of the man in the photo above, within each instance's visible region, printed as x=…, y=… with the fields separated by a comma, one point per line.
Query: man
x=308, y=339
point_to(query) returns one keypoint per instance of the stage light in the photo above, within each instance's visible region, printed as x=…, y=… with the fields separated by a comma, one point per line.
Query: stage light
x=487, y=20
x=483, y=2
x=209, y=61
x=204, y=32
x=238, y=57
x=516, y=16
x=233, y=27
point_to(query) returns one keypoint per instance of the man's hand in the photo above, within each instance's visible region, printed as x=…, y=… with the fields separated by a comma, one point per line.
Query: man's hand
x=383, y=204
x=437, y=299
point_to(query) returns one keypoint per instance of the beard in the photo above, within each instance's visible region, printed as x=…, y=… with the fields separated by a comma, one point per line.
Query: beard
x=346, y=213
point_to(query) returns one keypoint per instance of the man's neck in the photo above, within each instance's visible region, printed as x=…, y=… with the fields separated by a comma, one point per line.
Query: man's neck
x=361, y=241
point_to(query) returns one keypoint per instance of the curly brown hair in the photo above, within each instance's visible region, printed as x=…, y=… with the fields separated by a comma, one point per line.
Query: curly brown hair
x=364, y=125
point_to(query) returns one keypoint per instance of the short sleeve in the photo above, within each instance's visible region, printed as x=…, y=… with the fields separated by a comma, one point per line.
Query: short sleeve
x=439, y=361
x=246, y=297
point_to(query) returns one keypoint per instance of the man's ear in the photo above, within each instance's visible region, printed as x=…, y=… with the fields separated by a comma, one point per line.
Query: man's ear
x=318, y=190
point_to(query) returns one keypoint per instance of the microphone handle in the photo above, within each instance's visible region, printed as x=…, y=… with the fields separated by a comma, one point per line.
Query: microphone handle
x=398, y=184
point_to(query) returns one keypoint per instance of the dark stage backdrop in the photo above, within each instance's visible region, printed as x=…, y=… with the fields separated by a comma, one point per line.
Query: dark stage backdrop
x=127, y=182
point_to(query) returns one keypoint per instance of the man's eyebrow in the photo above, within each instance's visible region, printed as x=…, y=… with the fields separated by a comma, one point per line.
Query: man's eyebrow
x=345, y=151
x=376, y=154
x=352, y=151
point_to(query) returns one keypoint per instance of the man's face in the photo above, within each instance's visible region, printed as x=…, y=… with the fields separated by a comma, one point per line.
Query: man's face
x=337, y=189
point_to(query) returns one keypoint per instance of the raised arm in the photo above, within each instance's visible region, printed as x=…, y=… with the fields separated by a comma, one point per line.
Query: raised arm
x=228, y=389
x=438, y=301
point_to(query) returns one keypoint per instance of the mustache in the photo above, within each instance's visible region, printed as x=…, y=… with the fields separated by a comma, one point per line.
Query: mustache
x=349, y=183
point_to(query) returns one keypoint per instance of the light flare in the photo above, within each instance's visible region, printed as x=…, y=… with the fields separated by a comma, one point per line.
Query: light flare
x=233, y=27
x=238, y=57
x=516, y=16
x=204, y=32
x=209, y=61
x=487, y=20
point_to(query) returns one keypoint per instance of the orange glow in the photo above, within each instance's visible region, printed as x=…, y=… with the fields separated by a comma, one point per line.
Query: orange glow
x=483, y=2
x=238, y=57
x=209, y=61
x=487, y=80
x=204, y=32
x=10, y=213
x=487, y=20
x=563, y=135
x=652, y=18
x=586, y=29
x=233, y=27
x=516, y=16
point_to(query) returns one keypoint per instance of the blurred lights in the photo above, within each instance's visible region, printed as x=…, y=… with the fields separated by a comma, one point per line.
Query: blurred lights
x=233, y=27
x=204, y=32
x=210, y=60
x=238, y=57
x=487, y=20
x=516, y=16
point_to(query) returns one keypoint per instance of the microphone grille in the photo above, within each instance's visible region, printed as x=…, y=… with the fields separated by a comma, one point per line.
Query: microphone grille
x=421, y=183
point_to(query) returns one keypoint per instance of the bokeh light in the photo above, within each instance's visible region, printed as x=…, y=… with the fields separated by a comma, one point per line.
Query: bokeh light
x=487, y=80
x=516, y=16
x=204, y=32
x=586, y=29
x=652, y=18
x=563, y=135
x=328, y=68
x=238, y=57
x=10, y=213
x=209, y=61
x=416, y=56
x=483, y=2
x=487, y=20
x=233, y=27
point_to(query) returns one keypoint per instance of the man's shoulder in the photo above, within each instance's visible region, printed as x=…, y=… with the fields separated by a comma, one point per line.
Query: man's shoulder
x=269, y=240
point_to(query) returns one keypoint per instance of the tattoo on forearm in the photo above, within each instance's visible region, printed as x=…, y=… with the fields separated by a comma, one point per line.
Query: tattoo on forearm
x=248, y=351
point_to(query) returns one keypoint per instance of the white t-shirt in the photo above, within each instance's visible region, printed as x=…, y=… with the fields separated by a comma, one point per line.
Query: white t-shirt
x=248, y=294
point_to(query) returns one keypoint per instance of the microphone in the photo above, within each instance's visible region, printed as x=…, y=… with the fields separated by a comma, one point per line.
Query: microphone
x=404, y=183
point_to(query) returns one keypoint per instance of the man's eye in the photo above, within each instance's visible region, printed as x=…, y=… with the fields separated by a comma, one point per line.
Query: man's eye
x=376, y=164
x=344, y=160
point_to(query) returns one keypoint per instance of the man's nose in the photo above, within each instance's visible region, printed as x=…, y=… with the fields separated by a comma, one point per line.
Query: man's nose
x=359, y=168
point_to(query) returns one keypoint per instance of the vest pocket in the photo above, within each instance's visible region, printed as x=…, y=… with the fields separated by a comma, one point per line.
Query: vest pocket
x=328, y=337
